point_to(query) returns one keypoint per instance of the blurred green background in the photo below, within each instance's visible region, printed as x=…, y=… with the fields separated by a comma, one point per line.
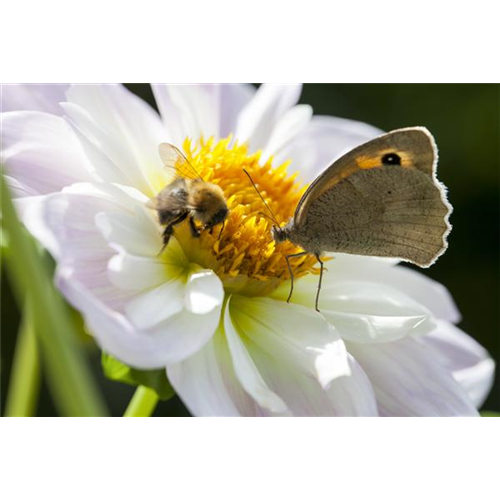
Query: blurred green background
x=465, y=120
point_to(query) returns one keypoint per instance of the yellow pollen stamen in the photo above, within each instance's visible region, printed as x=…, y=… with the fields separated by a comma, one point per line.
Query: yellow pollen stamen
x=245, y=257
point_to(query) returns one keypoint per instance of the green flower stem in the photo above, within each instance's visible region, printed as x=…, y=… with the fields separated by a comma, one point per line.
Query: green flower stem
x=19, y=415
x=137, y=445
x=69, y=376
x=70, y=380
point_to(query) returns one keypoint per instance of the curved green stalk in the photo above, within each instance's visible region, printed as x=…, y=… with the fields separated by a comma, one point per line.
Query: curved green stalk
x=137, y=444
x=70, y=380
x=24, y=388
x=84, y=431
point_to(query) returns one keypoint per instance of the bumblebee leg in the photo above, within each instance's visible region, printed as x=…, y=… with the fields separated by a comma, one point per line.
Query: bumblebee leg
x=287, y=257
x=320, y=279
x=221, y=229
x=165, y=217
x=195, y=232
x=211, y=227
x=169, y=231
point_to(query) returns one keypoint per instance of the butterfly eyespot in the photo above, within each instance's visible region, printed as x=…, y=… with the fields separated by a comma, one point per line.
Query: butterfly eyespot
x=391, y=159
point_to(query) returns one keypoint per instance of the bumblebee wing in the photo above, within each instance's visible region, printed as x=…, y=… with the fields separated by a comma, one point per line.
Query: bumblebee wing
x=173, y=158
x=381, y=199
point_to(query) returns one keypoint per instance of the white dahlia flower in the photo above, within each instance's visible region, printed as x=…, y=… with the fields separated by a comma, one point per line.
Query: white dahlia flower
x=83, y=161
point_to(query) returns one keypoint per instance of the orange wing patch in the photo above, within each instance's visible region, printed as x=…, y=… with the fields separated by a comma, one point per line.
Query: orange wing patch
x=366, y=162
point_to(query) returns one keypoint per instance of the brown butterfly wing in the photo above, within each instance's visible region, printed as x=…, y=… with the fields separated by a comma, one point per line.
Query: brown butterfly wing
x=380, y=199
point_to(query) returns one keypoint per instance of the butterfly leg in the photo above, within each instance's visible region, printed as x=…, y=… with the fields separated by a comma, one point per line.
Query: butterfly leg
x=320, y=279
x=288, y=257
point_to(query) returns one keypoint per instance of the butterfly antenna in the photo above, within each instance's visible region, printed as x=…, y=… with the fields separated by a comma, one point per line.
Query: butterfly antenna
x=263, y=201
x=267, y=217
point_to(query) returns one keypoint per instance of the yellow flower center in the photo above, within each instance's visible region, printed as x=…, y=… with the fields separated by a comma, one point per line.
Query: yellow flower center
x=245, y=256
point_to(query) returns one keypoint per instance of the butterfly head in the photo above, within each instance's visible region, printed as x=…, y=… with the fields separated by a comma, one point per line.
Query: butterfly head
x=280, y=234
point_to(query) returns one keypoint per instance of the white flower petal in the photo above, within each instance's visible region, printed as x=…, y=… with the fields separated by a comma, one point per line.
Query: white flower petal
x=469, y=363
x=204, y=292
x=171, y=333
x=292, y=331
x=184, y=334
x=155, y=306
x=125, y=197
x=409, y=380
x=105, y=163
x=424, y=290
x=323, y=141
x=172, y=116
x=132, y=272
x=129, y=272
x=345, y=396
x=110, y=157
x=65, y=224
x=40, y=152
x=247, y=373
x=17, y=189
x=125, y=117
x=136, y=233
x=207, y=384
x=30, y=211
x=170, y=342
x=363, y=311
x=431, y=294
x=233, y=98
x=33, y=97
x=200, y=294
x=200, y=110
x=258, y=118
x=287, y=128
x=62, y=224
x=210, y=383
x=349, y=263
x=70, y=217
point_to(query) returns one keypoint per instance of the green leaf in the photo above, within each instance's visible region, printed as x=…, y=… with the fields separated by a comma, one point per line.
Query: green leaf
x=489, y=414
x=154, y=379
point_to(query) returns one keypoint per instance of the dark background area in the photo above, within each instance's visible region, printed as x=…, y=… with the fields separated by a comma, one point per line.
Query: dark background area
x=465, y=120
